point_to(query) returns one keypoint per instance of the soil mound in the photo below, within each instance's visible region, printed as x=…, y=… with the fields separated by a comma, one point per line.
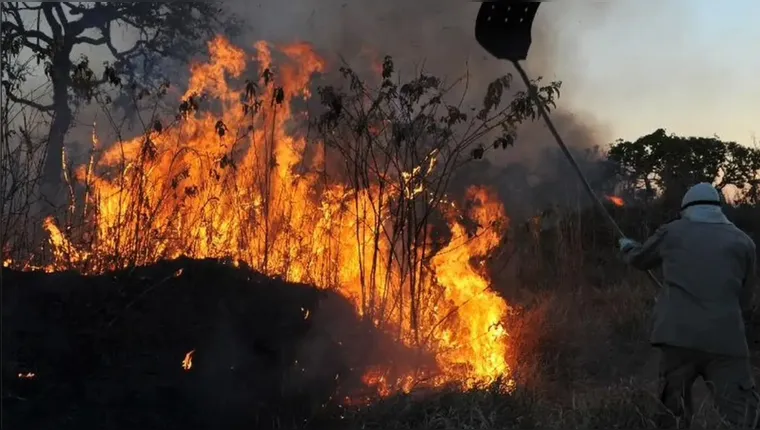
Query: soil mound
x=108, y=352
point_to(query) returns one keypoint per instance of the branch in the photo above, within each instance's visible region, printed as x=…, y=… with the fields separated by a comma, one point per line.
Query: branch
x=74, y=8
x=98, y=16
x=89, y=40
x=28, y=7
x=28, y=34
x=61, y=17
x=47, y=9
x=29, y=103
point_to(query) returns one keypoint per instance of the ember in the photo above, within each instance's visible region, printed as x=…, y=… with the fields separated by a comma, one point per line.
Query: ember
x=234, y=186
x=617, y=201
x=187, y=362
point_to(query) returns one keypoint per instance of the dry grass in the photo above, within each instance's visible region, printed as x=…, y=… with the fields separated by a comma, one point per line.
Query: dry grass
x=582, y=361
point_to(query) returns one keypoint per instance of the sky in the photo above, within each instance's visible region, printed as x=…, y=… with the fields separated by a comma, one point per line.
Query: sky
x=691, y=66
x=628, y=67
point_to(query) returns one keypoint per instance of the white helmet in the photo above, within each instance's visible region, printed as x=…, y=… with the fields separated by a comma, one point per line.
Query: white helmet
x=701, y=194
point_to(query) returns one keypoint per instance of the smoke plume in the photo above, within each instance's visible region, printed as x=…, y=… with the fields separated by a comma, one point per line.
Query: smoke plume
x=438, y=36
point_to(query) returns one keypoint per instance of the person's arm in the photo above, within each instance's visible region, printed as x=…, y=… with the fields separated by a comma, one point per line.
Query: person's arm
x=749, y=284
x=646, y=256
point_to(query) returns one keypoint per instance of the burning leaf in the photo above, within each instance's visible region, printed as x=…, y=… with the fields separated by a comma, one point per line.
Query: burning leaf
x=279, y=95
x=220, y=128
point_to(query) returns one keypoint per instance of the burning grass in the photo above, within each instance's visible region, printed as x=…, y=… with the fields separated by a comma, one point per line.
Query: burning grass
x=234, y=176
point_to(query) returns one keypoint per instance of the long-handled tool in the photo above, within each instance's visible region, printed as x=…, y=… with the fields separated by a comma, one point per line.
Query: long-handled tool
x=503, y=28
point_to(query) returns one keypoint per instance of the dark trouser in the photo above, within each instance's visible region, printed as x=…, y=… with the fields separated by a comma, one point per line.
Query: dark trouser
x=729, y=379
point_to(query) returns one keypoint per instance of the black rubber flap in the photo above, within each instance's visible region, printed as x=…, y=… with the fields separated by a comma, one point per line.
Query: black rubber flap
x=503, y=28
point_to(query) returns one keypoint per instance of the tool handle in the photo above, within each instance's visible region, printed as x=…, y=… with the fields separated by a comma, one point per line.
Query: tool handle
x=542, y=111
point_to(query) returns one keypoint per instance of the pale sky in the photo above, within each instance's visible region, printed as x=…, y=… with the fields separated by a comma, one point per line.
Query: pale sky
x=627, y=66
x=691, y=66
x=630, y=66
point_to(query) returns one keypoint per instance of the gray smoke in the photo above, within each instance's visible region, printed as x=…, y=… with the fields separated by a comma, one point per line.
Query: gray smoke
x=439, y=37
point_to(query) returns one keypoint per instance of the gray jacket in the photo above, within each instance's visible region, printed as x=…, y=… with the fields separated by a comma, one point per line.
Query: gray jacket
x=709, y=269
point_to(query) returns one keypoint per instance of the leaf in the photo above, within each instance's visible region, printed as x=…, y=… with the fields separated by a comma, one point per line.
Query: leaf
x=387, y=67
x=279, y=95
x=220, y=128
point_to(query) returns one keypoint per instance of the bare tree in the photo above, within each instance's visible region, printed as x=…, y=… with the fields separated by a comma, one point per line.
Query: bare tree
x=400, y=144
x=49, y=31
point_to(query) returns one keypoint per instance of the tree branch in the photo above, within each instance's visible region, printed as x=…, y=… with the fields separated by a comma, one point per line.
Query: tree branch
x=47, y=9
x=28, y=7
x=89, y=40
x=28, y=34
x=61, y=17
x=16, y=99
x=98, y=16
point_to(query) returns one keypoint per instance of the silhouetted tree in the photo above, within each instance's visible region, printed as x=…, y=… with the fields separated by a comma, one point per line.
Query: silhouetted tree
x=665, y=165
x=49, y=31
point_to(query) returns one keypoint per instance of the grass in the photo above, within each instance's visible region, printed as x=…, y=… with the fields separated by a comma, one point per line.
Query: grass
x=582, y=361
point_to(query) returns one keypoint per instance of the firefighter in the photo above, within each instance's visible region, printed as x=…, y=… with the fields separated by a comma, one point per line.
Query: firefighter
x=709, y=270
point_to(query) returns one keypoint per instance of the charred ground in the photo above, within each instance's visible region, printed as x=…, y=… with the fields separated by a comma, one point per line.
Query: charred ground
x=107, y=351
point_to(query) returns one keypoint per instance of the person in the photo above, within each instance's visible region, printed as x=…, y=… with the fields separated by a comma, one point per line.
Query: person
x=709, y=270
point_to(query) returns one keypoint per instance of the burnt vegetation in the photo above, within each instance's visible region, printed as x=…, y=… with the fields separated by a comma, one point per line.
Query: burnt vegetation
x=133, y=337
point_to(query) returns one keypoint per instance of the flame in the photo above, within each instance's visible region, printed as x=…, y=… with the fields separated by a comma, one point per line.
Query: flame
x=187, y=362
x=238, y=185
x=27, y=375
x=615, y=200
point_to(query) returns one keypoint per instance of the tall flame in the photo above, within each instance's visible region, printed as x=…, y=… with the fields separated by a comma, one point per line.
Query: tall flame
x=234, y=185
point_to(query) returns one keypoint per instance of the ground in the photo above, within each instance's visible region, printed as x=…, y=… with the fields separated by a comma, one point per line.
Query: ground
x=580, y=355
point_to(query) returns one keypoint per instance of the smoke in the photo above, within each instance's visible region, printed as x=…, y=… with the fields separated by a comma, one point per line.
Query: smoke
x=438, y=36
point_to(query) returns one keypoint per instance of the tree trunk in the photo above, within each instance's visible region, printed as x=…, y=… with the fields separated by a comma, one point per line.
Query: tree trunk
x=53, y=194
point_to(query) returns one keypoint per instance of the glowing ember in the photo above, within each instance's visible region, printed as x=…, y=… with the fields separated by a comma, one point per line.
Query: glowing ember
x=239, y=185
x=27, y=375
x=617, y=201
x=187, y=363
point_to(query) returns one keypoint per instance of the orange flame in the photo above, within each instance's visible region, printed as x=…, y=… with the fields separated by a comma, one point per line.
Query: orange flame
x=617, y=201
x=187, y=362
x=238, y=186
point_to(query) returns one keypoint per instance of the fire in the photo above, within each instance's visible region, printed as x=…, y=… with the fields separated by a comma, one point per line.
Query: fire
x=27, y=375
x=239, y=184
x=187, y=362
x=617, y=201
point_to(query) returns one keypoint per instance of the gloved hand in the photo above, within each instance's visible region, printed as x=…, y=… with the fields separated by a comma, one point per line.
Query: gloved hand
x=626, y=244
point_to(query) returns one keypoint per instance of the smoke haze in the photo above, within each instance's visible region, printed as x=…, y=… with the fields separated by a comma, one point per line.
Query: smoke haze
x=439, y=37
